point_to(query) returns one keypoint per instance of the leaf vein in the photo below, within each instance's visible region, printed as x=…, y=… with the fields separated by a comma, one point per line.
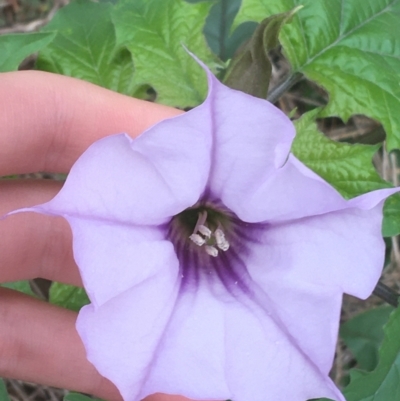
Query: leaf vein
x=341, y=37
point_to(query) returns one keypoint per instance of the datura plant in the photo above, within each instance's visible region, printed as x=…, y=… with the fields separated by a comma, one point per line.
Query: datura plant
x=215, y=261
x=216, y=247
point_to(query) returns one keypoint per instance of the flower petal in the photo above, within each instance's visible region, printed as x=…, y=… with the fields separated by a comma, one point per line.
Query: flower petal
x=343, y=250
x=290, y=192
x=141, y=181
x=304, y=266
x=114, y=258
x=293, y=192
x=233, y=351
x=310, y=313
x=121, y=337
x=251, y=138
x=192, y=345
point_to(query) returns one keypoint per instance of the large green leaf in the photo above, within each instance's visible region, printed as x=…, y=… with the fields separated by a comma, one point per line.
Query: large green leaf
x=363, y=335
x=22, y=286
x=68, y=296
x=347, y=167
x=85, y=47
x=16, y=47
x=382, y=384
x=156, y=33
x=3, y=391
x=351, y=48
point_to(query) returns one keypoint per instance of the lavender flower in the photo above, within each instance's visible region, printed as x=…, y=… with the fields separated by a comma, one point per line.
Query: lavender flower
x=215, y=261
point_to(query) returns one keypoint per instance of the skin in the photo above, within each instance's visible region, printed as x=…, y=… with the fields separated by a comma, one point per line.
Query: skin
x=47, y=121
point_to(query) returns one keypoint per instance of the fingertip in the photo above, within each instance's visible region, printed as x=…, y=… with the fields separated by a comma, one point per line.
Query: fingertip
x=48, y=120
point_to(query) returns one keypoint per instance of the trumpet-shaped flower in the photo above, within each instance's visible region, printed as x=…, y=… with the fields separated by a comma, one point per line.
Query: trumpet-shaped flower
x=214, y=260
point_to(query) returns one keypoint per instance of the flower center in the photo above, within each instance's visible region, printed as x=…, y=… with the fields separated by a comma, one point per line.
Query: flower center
x=203, y=229
x=212, y=245
x=208, y=241
x=212, y=241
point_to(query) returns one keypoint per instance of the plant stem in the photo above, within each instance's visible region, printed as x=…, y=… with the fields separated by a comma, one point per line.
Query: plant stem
x=277, y=92
x=387, y=294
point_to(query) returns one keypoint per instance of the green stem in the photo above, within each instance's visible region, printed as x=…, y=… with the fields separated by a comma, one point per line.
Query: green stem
x=277, y=92
x=382, y=291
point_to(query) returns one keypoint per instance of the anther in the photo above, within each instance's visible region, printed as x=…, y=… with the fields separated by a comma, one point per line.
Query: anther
x=220, y=239
x=212, y=251
x=197, y=239
x=204, y=230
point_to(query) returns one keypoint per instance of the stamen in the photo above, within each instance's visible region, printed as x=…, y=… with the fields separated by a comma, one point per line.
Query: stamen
x=205, y=231
x=197, y=239
x=222, y=242
x=212, y=251
x=202, y=235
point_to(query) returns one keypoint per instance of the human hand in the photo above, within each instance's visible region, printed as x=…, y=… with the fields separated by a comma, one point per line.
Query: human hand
x=46, y=122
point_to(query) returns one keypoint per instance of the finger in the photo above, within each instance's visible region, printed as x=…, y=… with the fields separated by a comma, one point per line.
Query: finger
x=48, y=120
x=52, y=354
x=34, y=245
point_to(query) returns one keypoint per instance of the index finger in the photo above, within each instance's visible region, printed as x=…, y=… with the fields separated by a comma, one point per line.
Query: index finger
x=48, y=120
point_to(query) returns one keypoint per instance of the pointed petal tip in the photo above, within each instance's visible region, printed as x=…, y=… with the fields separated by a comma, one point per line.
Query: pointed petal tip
x=371, y=199
x=35, y=209
x=209, y=74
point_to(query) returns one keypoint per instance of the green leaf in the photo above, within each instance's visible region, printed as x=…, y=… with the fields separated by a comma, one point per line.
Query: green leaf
x=3, y=391
x=79, y=397
x=347, y=167
x=68, y=296
x=156, y=33
x=382, y=384
x=85, y=47
x=391, y=213
x=351, y=48
x=250, y=69
x=22, y=286
x=217, y=28
x=363, y=335
x=16, y=47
